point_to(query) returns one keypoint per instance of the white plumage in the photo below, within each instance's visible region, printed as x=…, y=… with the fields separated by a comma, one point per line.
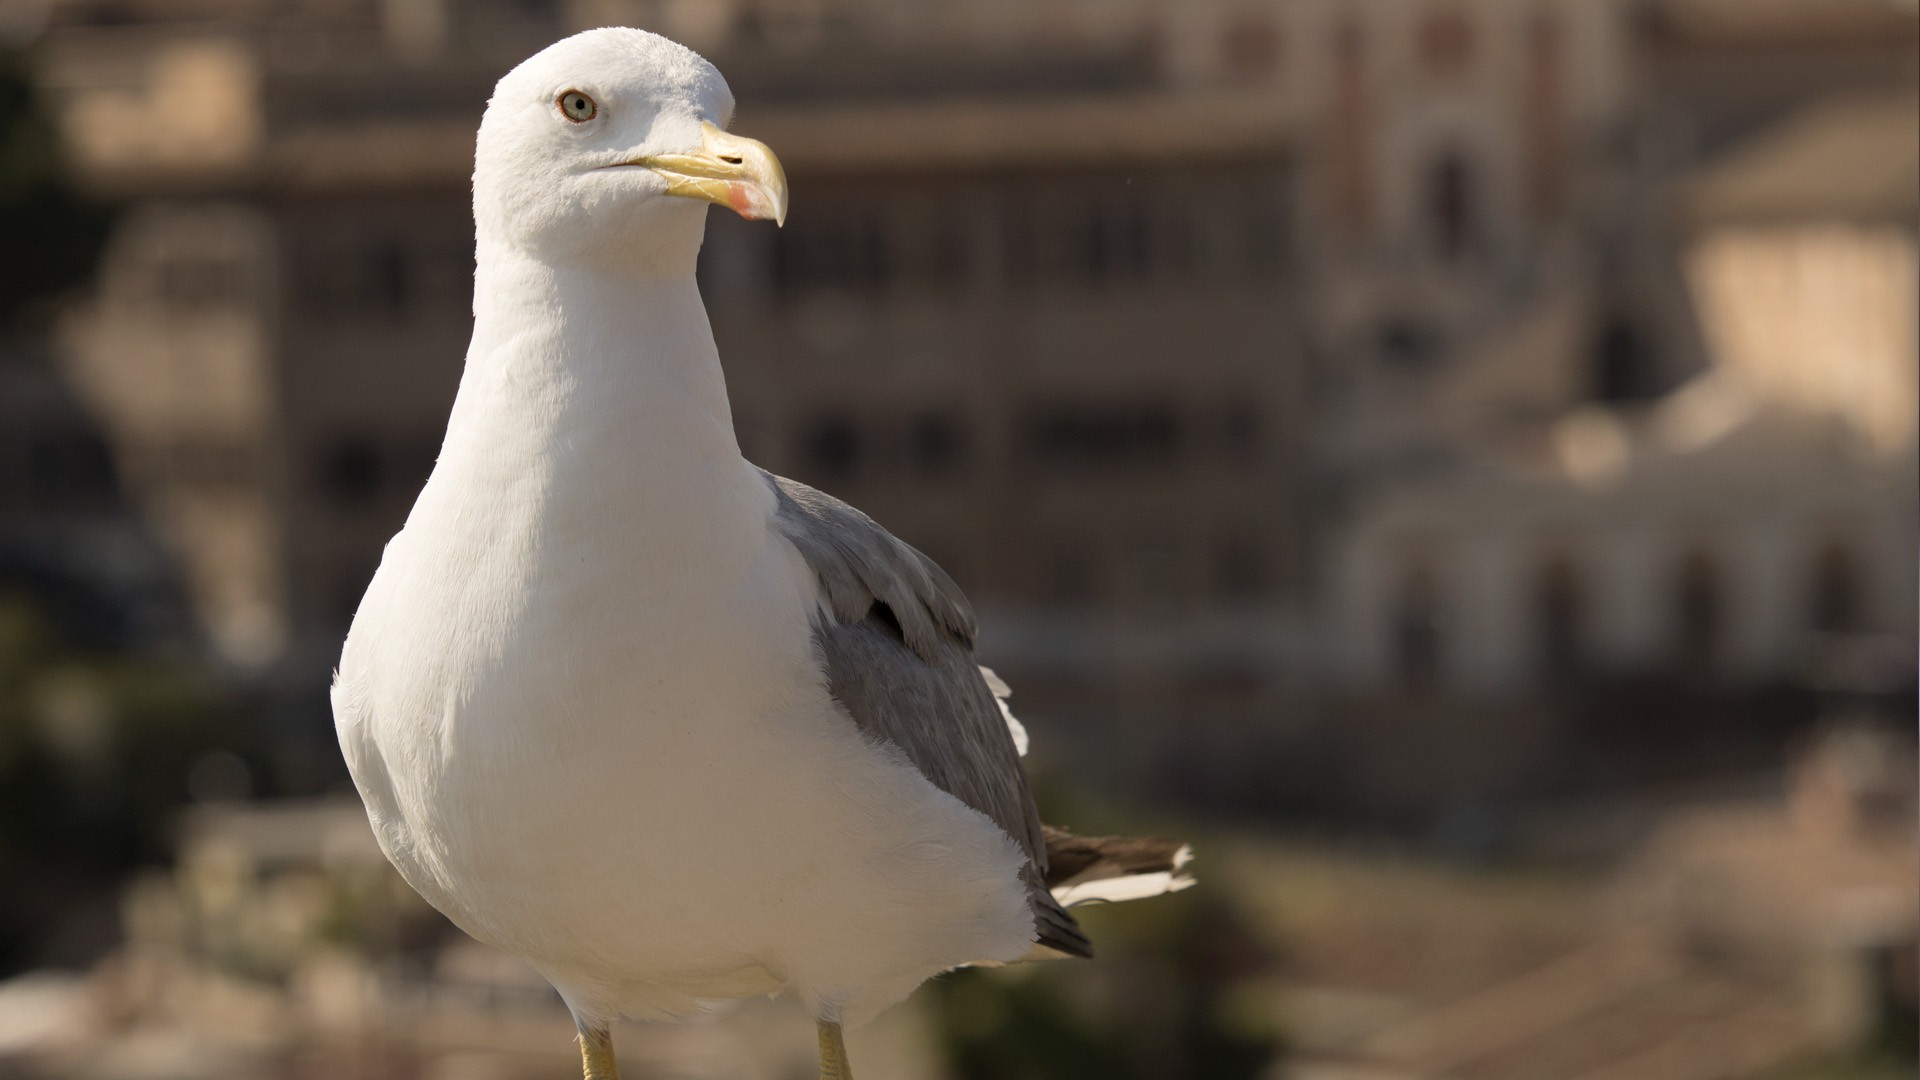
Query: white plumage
x=583, y=698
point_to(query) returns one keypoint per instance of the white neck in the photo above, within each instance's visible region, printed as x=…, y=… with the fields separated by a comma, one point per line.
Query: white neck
x=589, y=387
x=640, y=346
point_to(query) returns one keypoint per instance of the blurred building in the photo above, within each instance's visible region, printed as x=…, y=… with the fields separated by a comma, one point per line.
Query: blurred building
x=1725, y=524
x=1379, y=407
x=1744, y=936
x=999, y=319
x=1313, y=371
x=1730, y=534
x=1742, y=312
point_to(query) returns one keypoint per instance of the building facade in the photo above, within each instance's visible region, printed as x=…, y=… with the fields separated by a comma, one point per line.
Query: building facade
x=1242, y=358
x=999, y=319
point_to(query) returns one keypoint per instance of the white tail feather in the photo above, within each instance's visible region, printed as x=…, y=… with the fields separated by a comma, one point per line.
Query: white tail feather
x=1115, y=890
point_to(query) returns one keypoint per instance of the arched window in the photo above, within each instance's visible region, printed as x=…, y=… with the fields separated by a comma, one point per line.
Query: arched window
x=1699, y=611
x=1417, y=644
x=1559, y=611
x=1453, y=211
x=1835, y=600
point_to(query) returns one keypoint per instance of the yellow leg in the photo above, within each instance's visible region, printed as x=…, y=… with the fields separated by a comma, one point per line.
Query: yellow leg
x=596, y=1055
x=833, y=1053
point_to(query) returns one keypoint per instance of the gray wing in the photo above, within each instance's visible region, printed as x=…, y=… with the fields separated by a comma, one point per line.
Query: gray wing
x=898, y=646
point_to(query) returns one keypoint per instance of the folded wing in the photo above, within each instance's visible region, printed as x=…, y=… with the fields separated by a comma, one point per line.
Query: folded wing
x=897, y=639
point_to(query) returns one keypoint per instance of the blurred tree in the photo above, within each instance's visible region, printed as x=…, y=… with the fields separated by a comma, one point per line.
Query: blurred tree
x=51, y=235
x=95, y=749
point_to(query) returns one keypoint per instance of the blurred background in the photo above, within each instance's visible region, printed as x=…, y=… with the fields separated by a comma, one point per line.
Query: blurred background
x=1454, y=459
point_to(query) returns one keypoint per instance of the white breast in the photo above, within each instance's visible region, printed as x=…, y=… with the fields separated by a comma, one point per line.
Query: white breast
x=582, y=705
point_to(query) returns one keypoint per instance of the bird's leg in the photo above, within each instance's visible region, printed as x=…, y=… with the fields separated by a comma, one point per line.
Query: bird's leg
x=833, y=1053
x=596, y=1054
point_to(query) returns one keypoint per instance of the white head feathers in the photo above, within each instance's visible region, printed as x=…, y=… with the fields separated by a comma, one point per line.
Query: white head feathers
x=548, y=176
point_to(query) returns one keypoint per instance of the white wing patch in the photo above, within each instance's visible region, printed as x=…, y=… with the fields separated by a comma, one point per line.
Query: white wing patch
x=1001, y=692
x=1115, y=890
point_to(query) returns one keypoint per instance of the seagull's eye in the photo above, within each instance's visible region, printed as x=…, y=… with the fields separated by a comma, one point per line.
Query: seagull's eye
x=577, y=107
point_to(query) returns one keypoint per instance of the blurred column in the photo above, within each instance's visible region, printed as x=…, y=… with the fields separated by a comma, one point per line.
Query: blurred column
x=1630, y=613
x=1769, y=589
x=1489, y=615
x=1357, y=614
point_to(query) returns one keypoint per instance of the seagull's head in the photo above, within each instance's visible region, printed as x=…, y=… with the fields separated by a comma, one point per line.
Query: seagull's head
x=605, y=149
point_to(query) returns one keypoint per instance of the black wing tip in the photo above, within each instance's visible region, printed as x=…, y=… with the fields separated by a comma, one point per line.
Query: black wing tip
x=1059, y=932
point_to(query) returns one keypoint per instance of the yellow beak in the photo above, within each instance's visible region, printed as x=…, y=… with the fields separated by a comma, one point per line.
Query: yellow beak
x=741, y=174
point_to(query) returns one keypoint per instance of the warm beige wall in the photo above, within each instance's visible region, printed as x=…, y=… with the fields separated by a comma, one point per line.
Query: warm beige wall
x=1825, y=317
x=134, y=110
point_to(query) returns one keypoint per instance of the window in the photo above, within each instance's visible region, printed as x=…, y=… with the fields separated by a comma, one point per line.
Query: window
x=1452, y=206
x=1154, y=571
x=1089, y=249
x=936, y=443
x=1240, y=568
x=1267, y=239
x=1072, y=577
x=1623, y=360
x=1178, y=241
x=1698, y=611
x=1091, y=436
x=831, y=448
x=936, y=251
x=391, y=275
x=832, y=248
x=376, y=279
x=1417, y=642
x=1103, y=242
x=1130, y=239
x=1019, y=239
x=352, y=471
x=1240, y=432
x=1408, y=342
x=1559, y=603
x=1128, y=224
x=1836, y=595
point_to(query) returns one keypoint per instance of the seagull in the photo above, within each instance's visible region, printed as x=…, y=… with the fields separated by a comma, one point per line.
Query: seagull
x=673, y=729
